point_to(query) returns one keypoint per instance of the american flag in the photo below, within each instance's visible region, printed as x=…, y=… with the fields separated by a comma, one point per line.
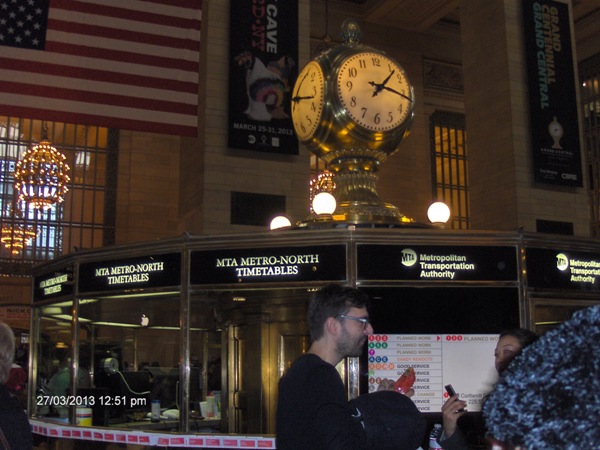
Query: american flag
x=128, y=64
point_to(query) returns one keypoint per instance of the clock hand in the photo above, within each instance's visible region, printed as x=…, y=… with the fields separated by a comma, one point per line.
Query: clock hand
x=297, y=98
x=388, y=78
x=396, y=92
x=380, y=86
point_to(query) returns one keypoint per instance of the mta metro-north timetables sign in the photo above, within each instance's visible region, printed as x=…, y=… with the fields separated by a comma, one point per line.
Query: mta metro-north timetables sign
x=464, y=360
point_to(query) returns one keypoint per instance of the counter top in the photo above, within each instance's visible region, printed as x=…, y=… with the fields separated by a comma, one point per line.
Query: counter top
x=167, y=424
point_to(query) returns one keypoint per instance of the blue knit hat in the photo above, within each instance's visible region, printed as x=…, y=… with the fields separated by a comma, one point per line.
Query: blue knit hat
x=549, y=396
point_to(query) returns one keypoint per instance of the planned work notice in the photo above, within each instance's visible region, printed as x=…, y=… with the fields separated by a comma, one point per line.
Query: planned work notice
x=464, y=360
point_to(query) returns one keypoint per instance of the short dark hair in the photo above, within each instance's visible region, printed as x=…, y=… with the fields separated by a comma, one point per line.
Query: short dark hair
x=524, y=336
x=331, y=301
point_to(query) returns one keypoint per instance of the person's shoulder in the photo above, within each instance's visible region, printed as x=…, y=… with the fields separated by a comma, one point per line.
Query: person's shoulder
x=305, y=360
x=310, y=362
x=306, y=366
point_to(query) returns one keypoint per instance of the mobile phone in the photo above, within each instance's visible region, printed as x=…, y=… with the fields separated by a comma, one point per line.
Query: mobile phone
x=450, y=390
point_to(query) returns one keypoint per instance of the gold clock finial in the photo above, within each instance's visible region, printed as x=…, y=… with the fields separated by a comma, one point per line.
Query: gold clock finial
x=351, y=33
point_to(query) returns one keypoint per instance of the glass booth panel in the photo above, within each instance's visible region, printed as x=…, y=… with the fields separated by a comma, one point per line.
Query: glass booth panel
x=133, y=346
x=54, y=361
x=549, y=313
x=129, y=356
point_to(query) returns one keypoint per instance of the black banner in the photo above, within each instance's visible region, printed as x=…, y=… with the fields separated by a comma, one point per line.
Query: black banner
x=54, y=284
x=552, y=94
x=436, y=263
x=268, y=265
x=263, y=48
x=562, y=269
x=143, y=272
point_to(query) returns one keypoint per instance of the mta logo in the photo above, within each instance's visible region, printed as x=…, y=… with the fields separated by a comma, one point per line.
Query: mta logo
x=409, y=257
x=562, y=261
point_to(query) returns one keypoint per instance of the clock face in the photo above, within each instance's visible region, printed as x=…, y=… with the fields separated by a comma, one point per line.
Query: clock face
x=307, y=100
x=374, y=91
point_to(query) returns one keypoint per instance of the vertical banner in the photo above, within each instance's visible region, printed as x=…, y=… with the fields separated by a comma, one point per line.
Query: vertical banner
x=552, y=94
x=263, y=49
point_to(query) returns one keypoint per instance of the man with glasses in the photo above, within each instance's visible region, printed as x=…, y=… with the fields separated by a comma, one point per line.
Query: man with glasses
x=313, y=410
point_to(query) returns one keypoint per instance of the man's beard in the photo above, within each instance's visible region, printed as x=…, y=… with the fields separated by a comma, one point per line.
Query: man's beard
x=349, y=346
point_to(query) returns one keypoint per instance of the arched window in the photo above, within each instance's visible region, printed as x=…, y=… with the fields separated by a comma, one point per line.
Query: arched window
x=449, y=165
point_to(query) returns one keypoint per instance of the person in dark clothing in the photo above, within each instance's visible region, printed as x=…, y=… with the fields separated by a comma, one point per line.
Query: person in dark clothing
x=313, y=411
x=13, y=420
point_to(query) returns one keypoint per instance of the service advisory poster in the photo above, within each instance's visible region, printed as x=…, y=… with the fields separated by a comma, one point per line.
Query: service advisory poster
x=552, y=93
x=466, y=361
x=263, y=67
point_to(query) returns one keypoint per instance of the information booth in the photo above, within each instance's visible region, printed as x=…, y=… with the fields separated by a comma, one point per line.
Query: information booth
x=181, y=342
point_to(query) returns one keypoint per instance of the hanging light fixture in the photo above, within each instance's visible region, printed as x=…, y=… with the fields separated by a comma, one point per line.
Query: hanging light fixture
x=41, y=176
x=16, y=234
x=16, y=237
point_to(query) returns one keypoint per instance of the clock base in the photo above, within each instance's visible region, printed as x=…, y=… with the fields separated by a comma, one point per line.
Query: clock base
x=357, y=212
x=356, y=195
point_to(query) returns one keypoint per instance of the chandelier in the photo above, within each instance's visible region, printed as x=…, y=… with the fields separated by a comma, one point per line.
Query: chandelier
x=16, y=237
x=41, y=176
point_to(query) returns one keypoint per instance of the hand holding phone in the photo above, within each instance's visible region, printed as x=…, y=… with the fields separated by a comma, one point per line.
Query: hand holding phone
x=452, y=410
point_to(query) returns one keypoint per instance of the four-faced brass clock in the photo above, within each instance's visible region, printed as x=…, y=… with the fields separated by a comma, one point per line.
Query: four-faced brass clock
x=352, y=105
x=352, y=96
x=307, y=100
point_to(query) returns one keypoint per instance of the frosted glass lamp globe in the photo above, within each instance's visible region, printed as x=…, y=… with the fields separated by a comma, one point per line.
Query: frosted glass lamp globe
x=438, y=212
x=280, y=222
x=324, y=203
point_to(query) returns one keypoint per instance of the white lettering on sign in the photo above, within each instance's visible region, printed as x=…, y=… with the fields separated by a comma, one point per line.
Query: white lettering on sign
x=443, y=266
x=437, y=265
x=53, y=285
x=582, y=271
x=53, y=281
x=267, y=266
x=129, y=273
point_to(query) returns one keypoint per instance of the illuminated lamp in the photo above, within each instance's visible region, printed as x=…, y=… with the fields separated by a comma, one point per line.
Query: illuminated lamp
x=324, y=204
x=438, y=213
x=280, y=222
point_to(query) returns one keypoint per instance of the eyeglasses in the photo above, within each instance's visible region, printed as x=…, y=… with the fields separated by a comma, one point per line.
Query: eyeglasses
x=363, y=320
